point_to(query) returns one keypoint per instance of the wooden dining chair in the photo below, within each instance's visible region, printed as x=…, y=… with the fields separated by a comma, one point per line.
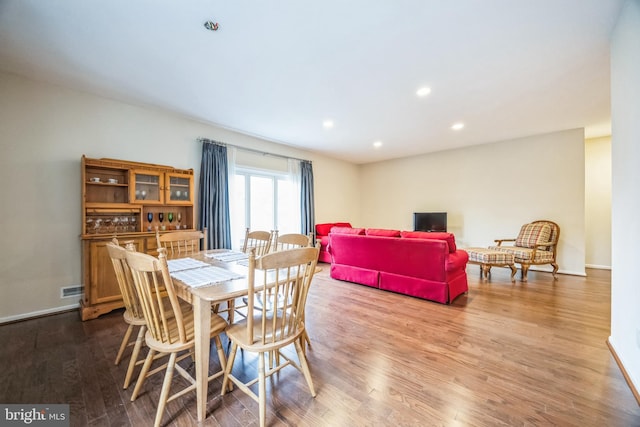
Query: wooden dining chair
x=170, y=328
x=258, y=240
x=287, y=273
x=261, y=243
x=182, y=243
x=292, y=241
x=133, y=314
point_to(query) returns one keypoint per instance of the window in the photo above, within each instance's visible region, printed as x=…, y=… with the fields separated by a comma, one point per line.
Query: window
x=263, y=200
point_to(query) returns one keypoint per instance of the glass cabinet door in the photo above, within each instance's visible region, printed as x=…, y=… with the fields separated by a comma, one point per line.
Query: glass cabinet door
x=179, y=188
x=147, y=187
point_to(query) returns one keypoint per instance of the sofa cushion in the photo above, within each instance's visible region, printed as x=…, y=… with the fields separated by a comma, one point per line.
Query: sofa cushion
x=448, y=237
x=342, y=224
x=348, y=230
x=532, y=235
x=525, y=254
x=382, y=232
x=324, y=229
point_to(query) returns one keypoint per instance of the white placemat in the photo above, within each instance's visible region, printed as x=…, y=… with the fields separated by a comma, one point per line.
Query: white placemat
x=228, y=256
x=205, y=276
x=184, y=264
x=244, y=262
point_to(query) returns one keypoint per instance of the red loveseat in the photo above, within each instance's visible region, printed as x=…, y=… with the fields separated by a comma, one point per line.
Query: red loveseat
x=322, y=235
x=420, y=264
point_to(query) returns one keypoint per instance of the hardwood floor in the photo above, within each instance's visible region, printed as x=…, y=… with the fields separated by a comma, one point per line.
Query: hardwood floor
x=505, y=354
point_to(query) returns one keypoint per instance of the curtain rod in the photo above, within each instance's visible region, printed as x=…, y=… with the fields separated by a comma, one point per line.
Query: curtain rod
x=252, y=150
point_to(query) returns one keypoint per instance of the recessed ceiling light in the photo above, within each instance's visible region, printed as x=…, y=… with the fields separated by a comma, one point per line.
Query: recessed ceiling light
x=423, y=91
x=377, y=144
x=327, y=124
x=457, y=126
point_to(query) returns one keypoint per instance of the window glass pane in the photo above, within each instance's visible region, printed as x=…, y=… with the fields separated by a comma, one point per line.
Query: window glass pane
x=261, y=215
x=263, y=200
x=288, y=212
x=238, y=212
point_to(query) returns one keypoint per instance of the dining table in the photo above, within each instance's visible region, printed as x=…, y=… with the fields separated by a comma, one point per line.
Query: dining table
x=204, y=279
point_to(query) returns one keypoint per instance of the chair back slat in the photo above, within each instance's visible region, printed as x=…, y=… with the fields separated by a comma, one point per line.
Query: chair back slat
x=181, y=243
x=125, y=281
x=151, y=277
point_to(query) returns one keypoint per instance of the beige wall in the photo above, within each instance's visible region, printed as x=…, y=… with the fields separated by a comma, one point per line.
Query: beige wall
x=488, y=191
x=597, y=188
x=45, y=129
x=625, y=220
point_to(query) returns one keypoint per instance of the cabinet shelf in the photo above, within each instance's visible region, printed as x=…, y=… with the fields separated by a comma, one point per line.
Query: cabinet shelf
x=107, y=184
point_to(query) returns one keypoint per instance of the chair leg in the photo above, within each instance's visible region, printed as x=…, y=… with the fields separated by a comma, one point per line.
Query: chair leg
x=134, y=356
x=125, y=342
x=231, y=306
x=305, y=367
x=143, y=374
x=513, y=272
x=525, y=270
x=221, y=355
x=485, y=270
x=555, y=270
x=227, y=371
x=262, y=390
x=166, y=386
x=305, y=341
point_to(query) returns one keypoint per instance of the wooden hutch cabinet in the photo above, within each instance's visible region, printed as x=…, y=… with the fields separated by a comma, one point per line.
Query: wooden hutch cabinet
x=130, y=201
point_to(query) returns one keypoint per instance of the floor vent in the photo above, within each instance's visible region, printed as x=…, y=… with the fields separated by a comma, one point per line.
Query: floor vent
x=71, y=291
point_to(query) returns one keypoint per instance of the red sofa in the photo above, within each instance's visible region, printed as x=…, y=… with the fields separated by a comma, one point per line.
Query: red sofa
x=322, y=235
x=420, y=264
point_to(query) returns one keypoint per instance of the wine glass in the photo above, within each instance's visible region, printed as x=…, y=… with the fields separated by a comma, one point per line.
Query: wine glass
x=161, y=219
x=149, y=218
x=107, y=225
x=179, y=219
x=170, y=218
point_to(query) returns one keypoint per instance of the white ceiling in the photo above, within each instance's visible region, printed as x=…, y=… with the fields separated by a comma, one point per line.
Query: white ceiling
x=277, y=69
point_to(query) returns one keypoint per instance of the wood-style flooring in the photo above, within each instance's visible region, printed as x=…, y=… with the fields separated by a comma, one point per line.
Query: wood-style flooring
x=504, y=354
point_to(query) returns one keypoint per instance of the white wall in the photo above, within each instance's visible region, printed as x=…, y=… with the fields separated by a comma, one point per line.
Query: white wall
x=625, y=220
x=489, y=191
x=597, y=188
x=45, y=129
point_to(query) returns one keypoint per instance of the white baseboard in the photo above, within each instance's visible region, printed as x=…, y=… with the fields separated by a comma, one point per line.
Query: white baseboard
x=570, y=273
x=542, y=270
x=598, y=267
x=38, y=313
x=561, y=271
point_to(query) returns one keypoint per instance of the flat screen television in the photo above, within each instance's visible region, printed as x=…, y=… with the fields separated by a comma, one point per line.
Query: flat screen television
x=430, y=221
